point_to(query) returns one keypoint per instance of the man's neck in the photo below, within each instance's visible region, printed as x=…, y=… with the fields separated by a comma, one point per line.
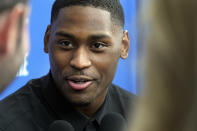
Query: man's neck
x=94, y=106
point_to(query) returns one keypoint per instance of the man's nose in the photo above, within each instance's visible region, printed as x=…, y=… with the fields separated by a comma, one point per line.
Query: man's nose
x=80, y=59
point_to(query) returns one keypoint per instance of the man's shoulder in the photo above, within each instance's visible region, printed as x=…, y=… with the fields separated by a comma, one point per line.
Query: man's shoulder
x=121, y=93
x=121, y=100
x=18, y=104
x=22, y=93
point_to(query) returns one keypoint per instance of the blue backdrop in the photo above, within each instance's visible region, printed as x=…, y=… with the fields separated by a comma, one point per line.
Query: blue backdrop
x=38, y=63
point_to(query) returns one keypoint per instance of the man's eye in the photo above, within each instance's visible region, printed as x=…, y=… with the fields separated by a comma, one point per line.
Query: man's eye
x=98, y=45
x=66, y=43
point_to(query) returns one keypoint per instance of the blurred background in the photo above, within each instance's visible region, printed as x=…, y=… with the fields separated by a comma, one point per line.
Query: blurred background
x=37, y=62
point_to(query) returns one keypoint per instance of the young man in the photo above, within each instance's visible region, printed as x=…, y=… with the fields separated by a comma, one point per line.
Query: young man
x=84, y=41
x=13, y=38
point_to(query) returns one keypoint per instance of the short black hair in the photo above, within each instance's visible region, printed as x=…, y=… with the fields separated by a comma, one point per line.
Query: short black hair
x=112, y=6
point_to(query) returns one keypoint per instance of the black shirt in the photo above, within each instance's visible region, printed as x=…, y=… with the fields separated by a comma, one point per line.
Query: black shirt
x=38, y=104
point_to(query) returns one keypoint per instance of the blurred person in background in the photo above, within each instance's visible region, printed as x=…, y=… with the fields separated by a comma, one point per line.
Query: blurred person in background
x=14, y=41
x=168, y=101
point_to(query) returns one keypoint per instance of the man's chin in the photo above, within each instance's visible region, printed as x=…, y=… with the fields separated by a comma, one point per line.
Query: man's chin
x=79, y=103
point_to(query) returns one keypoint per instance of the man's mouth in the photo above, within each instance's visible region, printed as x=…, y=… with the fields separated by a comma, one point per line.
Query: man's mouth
x=79, y=82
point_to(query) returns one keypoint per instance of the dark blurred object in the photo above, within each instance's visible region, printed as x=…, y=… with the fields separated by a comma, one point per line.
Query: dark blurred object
x=61, y=125
x=113, y=122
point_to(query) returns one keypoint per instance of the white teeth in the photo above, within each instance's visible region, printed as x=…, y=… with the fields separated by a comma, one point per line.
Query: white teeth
x=80, y=81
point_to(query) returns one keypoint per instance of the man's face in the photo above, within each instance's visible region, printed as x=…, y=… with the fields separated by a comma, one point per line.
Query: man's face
x=84, y=47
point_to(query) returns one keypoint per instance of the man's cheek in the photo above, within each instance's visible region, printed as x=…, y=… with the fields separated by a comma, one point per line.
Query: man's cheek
x=56, y=60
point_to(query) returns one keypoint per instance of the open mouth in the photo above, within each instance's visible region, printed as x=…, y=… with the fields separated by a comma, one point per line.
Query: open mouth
x=79, y=82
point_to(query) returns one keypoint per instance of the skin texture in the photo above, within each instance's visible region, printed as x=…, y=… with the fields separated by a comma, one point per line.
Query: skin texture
x=14, y=43
x=84, y=43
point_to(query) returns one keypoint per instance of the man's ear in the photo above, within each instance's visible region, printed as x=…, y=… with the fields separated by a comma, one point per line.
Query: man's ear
x=4, y=28
x=125, y=45
x=46, y=38
x=9, y=29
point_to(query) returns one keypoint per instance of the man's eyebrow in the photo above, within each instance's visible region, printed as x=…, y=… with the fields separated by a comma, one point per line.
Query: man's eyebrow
x=64, y=34
x=99, y=36
x=91, y=37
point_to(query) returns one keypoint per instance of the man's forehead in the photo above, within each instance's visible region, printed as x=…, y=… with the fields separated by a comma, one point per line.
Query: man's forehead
x=85, y=18
x=85, y=9
x=85, y=13
x=81, y=18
